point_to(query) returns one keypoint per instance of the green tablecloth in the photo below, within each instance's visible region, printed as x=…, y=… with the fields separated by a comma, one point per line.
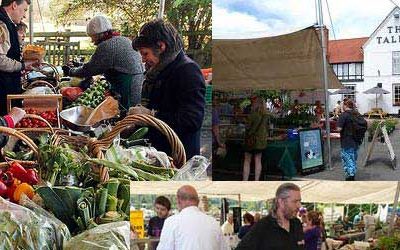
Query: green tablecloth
x=280, y=157
x=283, y=155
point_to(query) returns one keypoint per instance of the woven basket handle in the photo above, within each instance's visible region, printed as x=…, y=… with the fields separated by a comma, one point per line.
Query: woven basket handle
x=23, y=137
x=178, y=151
x=32, y=116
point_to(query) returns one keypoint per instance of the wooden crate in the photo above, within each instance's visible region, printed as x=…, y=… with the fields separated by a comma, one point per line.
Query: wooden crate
x=49, y=102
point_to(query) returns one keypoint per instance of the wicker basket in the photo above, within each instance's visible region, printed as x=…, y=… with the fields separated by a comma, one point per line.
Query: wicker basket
x=29, y=133
x=23, y=137
x=178, y=151
x=32, y=116
x=77, y=142
x=40, y=83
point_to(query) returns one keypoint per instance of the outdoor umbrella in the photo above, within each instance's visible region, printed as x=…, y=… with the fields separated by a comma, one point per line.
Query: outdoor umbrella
x=344, y=91
x=377, y=91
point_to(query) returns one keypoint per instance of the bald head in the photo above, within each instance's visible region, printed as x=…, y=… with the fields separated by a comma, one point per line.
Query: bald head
x=187, y=196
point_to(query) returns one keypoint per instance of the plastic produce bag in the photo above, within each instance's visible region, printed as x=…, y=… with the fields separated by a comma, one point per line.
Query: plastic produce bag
x=194, y=170
x=22, y=228
x=56, y=230
x=41, y=90
x=148, y=155
x=110, y=236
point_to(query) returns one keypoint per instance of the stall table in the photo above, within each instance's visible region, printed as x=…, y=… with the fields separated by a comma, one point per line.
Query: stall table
x=351, y=237
x=280, y=157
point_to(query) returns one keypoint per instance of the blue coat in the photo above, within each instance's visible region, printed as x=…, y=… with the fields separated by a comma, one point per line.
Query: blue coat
x=177, y=95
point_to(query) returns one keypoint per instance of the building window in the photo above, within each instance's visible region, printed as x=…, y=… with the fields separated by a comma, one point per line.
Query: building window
x=350, y=96
x=349, y=72
x=396, y=62
x=396, y=94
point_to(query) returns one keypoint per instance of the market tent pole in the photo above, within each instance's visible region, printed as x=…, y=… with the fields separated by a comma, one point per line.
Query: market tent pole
x=376, y=100
x=394, y=210
x=31, y=23
x=161, y=9
x=325, y=77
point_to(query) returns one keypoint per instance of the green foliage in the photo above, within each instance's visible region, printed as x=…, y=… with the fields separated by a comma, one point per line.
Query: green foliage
x=192, y=18
x=386, y=243
x=355, y=209
x=268, y=94
x=390, y=124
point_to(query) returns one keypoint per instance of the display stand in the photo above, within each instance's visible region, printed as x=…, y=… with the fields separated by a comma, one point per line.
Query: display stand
x=382, y=128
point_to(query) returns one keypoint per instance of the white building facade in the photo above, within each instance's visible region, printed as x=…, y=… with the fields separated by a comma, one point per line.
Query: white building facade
x=379, y=65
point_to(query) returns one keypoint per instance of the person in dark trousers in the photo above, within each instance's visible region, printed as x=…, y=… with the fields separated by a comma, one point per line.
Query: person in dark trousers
x=280, y=230
x=174, y=87
x=349, y=146
x=11, y=64
x=115, y=58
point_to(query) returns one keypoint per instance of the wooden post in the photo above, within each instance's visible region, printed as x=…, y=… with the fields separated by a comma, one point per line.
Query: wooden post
x=371, y=145
x=394, y=211
x=381, y=127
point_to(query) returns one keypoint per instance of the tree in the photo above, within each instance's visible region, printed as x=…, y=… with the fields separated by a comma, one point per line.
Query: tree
x=192, y=18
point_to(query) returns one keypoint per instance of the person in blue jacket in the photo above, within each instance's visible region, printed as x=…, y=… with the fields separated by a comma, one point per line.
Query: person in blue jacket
x=174, y=87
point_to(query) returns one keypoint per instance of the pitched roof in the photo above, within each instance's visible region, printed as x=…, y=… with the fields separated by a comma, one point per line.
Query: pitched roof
x=346, y=50
x=383, y=23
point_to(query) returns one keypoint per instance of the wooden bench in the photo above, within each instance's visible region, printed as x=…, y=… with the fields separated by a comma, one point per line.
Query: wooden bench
x=376, y=112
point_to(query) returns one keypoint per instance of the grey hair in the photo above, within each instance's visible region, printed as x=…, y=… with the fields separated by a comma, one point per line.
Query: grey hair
x=282, y=193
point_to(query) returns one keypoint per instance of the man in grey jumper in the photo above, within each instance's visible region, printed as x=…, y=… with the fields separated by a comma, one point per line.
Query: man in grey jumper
x=116, y=59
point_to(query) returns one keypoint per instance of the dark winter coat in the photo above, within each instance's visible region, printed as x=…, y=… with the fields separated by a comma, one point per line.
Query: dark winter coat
x=10, y=82
x=177, y=95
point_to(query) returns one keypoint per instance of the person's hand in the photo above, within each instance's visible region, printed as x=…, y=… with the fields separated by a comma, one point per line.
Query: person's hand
x=16, y=114
x=66, y=69
x=29, y=65
x=139, y=109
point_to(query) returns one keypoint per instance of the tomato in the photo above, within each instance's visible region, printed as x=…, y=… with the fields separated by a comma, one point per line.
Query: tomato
x=3, y=189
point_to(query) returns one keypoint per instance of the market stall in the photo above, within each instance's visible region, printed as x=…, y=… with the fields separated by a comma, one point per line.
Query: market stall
x=333, y=194
x=276, y=64
x=74, y=154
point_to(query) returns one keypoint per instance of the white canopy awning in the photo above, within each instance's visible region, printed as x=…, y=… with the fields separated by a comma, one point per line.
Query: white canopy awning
x=376, y=192
x=288, y=62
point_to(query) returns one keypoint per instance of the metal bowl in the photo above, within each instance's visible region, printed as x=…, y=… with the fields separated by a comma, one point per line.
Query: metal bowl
x=75, y=118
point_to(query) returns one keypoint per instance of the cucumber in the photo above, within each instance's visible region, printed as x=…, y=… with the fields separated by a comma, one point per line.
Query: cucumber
x=138, y=142
x=10, y=154
x=138, y=134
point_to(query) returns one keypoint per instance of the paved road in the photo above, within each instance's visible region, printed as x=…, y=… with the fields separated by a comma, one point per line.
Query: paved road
x=379, y=166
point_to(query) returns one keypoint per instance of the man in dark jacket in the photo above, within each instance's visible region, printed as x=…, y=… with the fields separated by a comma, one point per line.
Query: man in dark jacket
x=174, y=86
x=11, y=13
x=280, y=230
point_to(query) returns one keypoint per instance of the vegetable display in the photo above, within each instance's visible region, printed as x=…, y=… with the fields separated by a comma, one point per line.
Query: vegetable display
x=84, y=208
x=50, y=116
x=94, y=95
x=16, y=180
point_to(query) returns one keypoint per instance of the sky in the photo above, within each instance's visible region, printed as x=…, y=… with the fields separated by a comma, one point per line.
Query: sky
x=239, y=19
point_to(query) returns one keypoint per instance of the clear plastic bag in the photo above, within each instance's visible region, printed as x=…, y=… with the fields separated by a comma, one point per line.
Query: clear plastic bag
x=148, y=155
x=22, y=228
x=55, y=229
x=194, y=170
x=110, y=236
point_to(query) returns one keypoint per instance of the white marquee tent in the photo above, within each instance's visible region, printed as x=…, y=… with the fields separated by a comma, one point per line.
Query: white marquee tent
x=377, y=192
